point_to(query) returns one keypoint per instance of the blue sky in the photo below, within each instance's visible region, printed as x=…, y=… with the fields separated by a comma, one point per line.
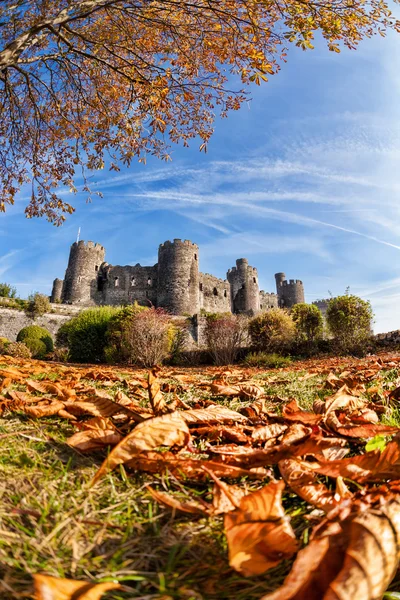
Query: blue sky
x=304, y=179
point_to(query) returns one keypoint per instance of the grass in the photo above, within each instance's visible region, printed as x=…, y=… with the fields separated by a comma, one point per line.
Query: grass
x=51, y=522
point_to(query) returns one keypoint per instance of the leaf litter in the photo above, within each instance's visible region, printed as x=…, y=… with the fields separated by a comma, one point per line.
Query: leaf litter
x=177, y=424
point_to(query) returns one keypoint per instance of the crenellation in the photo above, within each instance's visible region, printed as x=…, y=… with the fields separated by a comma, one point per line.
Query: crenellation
x=173, y=283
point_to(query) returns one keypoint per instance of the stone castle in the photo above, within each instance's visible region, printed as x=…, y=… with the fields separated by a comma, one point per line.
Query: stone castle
x=175, y=283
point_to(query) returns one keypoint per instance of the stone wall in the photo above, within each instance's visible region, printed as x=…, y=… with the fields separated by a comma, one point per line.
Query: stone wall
x=125, y=285
x=387, y=339
x=12, y=321
x=215, y=294
x=268, y=300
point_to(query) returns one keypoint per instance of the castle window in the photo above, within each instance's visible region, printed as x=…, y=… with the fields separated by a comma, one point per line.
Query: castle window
x=133, y=282
x=147, y=294
x=255, y=280
x=215, y=292
x=116, y=281
x=201, y=287
x=79, y=279
x=149, y=281
x=224, y=293
x=96, y=268
x=260, y=305
x=195, y=257
x=243, y=286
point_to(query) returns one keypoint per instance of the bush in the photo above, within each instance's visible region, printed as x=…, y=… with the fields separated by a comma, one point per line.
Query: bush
x=268, y=361
x=272, y=331
x=37, y=347
x=349, y=319
x=7, y=291
x=308, y=321
x=86, y=334
x=177, y=343
x=3, y=344
x=225, y=335
x=117, y=349
x=18, y=350
x=38, y=305
x=34, y=332
x=62, y=335
x=60, y=354
x=139, y=336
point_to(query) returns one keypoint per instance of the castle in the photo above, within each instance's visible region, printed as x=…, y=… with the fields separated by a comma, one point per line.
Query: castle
x=175, y=283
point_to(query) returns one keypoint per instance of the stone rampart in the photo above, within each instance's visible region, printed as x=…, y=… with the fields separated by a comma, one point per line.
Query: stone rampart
x=215, y=294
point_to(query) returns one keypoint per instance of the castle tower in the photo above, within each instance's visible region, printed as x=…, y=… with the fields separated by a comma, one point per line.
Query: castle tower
x=80, y=282
x=245, y=293
x=178, y=277
x=56, y=292
x=289, y=292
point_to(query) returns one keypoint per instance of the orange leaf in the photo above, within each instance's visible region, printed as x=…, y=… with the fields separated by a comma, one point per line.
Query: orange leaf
x=56, y=588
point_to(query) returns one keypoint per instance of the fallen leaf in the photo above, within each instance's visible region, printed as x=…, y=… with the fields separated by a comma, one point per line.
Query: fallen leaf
x=56, y=588
x=168, y=430
x=156, y=397
x=304, y=482
x=191, y=507
x=259, y=534
x=213, y=414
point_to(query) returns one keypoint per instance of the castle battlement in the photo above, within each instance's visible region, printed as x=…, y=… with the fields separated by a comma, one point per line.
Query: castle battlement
x=174, y=283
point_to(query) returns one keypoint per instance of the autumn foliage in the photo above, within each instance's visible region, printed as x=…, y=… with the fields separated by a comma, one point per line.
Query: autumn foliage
x=89, y=83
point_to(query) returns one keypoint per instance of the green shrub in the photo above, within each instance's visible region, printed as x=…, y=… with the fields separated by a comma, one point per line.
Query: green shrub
x=37, y=347
x=272, y=331
x=268, y=361
x=63, y=333
x=18, y=350
x=349, y=319
x=34, y=332
x=225, y=335
x=38, y=305
x=117, y=349
x=139, y=336
x=308, y=321
x=3, y=344
x=7, y=291
x=86, y=334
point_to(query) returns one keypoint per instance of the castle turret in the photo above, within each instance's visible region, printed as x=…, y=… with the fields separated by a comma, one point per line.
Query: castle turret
x=289, y=292
x=80, y=282
x=56, y=292
x=178, y=277
x=245, y=293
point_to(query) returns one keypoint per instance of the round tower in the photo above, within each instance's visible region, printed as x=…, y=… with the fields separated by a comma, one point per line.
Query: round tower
x=80, y=282
x=245, y=293
x=279, y=278
x=56, y=292
x=290, y=293
x=178, y=277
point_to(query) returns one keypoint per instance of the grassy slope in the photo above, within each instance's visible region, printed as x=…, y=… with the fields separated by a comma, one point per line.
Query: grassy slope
x=50, y=522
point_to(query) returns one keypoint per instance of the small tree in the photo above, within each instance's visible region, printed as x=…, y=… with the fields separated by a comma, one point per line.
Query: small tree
x=38, y=305
x=86, y=334
x=7, y=291
x=349, y=319
x=308, y=321
x=272, y=331
x=225, y=335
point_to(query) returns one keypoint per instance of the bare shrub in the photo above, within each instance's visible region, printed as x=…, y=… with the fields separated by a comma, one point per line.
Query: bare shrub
x=18, y=350
x=225, y=334
x=147, y=337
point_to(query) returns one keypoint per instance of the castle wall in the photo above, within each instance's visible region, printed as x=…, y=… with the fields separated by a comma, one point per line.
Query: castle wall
x=125, y=285
x=268, y=300
x=215, y=294
x=12, y=321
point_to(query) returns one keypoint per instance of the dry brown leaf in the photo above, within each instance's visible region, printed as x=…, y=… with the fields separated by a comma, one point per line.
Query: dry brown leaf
x=101, y=407
x=156, y=397
x=304, y=482
x=295, y=433
x=212, y=414
x=168, y=430
x=356, y=560
x=56, y=588
x=267, y=432
x=92, y=439
x=259, y=534
x=192, y=507
x=293, y=412
x=45, y=408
